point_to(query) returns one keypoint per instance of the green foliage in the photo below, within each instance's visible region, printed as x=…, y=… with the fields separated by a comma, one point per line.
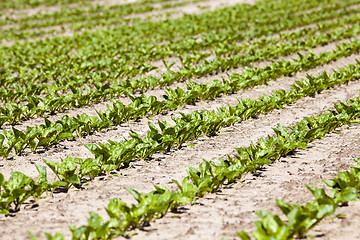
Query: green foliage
x=211, y=175
x=302, y=218
x=15, y=191
x=70, y=171
x=100, y=86
x=48, y=76
x=112, y=155
x=346, y=186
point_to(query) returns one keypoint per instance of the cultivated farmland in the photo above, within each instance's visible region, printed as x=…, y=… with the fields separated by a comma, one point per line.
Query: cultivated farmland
x=169, y=119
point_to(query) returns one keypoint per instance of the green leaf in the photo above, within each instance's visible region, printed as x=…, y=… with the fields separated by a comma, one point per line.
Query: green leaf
x=95, y=220
x=32, y=236
x=135, y=194
x=347, y=194
x=243, y=235
x=115, y=208
x=2, y=180
x=4, y=211
x=42, y=178
x=57, y=236
x=285, y=208
x=65, y=135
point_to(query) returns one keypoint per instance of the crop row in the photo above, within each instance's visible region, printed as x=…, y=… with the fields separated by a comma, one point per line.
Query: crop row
x=72, y=171
x=93, y=16
x=14, y=113
x=23, y=4
x=302, y=218
x=52, y=132
x=129, y=38
x=102, y=91
x=112, y=155
x=87, y=9
x=121, y=68
x=101, y=15
x=67, y=15
x=96, y=79
x=212, y=175
x=15, y=92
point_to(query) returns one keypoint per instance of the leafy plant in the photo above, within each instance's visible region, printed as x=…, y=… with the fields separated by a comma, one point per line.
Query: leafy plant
x=71, y=171
x=20, y=187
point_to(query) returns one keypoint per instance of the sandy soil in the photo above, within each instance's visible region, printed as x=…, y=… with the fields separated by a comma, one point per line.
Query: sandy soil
x=72, y=208
x=217, y=215
x=232, y=209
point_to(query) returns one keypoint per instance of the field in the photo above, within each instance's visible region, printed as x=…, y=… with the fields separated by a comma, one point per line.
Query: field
x=174, y=119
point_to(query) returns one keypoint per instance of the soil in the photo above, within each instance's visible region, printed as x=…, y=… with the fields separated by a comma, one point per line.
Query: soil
x=217, y=215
